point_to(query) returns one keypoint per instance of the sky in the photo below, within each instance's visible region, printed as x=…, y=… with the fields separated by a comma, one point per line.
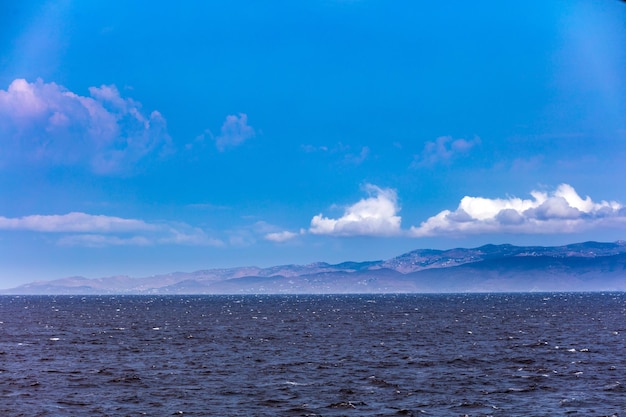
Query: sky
x=148, y=137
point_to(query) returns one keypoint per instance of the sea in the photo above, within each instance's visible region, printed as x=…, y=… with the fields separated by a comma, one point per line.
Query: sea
x=523, y=354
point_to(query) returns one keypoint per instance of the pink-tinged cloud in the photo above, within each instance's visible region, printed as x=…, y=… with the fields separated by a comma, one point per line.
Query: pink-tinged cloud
x=443, y=150
x=561, y=211
x=44, y=123
x=234, y=132
x=372, y=216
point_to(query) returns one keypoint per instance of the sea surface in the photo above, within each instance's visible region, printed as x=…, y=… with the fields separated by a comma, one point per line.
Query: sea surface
x=380, y=355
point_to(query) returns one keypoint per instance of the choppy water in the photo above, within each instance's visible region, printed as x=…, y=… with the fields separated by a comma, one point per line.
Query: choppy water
x=383, y=355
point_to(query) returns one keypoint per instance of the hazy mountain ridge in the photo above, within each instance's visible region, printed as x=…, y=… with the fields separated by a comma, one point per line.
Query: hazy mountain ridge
x=584, y=266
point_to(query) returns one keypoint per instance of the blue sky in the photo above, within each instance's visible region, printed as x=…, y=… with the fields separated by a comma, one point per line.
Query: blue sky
x=148, y=137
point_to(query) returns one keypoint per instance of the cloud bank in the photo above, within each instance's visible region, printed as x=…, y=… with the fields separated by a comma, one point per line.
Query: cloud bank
x=561, y=211
x=372, y=216
x=44, y=123
x=82, y=229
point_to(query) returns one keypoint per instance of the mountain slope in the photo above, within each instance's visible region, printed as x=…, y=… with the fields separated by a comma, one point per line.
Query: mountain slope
x=588, y=266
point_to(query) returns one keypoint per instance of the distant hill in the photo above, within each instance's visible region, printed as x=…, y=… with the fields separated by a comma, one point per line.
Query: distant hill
x=588, y=266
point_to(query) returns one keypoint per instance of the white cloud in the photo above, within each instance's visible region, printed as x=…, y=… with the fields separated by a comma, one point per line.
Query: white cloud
x=280, y=236
x=44, y=123
x=372, y=216
x=444, y=149
x=73, y=222
x=82, y=229
x=562, y=211
x=234, y=132
x=184, y=234
x=283, y=236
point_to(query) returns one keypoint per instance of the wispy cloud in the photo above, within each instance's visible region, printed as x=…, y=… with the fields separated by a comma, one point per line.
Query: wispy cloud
x=443, y=150
x=524, y=165
x=98, y=241
x=234, y=132
x=208, y=206
x=280, y=237
x=372, y=216
x=560, y=211
x=312, y=148
x=350, y=155
x=45, y=123
x=73, y=222
x=82, y=229
x=358, y=158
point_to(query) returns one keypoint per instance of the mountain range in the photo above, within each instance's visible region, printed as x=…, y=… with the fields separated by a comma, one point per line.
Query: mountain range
x=588, y=266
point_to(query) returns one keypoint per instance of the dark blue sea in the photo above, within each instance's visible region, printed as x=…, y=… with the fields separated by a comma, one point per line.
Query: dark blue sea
x=379, y=355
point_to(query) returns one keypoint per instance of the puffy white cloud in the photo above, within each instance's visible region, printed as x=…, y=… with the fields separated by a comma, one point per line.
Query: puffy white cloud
x=45, y=123
x=443, y=149
x=82, y=229
x=234, y=132
x=562, y=211
x=372, y=216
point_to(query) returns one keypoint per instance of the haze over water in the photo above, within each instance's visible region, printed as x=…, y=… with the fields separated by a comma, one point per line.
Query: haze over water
x=380, y=355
